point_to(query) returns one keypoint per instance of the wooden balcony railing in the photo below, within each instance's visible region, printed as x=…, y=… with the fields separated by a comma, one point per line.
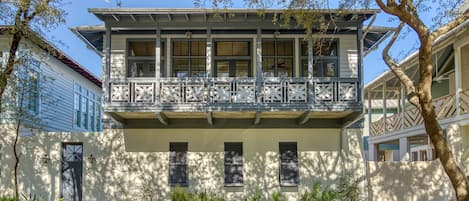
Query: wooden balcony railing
x=445, y=107
x=229, y=91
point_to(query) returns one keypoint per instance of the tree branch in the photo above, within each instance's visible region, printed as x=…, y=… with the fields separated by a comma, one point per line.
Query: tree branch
x=453, y=24
x=397, y=70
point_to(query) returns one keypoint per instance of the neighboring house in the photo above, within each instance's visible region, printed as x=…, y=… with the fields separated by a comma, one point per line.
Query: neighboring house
x=400, y=125
x=63, y=96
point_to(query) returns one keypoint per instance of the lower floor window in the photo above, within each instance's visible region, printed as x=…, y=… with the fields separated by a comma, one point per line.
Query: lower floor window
x=233, y=163
x=178, y=164
x=288, y=152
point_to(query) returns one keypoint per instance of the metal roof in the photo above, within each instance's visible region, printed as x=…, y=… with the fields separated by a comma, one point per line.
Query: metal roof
x=59, y=55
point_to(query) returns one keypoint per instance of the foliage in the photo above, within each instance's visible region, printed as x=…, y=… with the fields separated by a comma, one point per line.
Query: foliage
x=348, y=189
x=319, y=193
x=257, y=196
x=8, y=199
x=180, y=194
x=32, y=197
x=277, y=196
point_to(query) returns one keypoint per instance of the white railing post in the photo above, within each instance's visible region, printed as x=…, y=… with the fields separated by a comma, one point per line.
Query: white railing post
x=259, y=74
x=157, y=65
x=457, y=78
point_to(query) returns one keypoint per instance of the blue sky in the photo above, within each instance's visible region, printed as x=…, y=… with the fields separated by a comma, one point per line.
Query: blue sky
x=78, y=15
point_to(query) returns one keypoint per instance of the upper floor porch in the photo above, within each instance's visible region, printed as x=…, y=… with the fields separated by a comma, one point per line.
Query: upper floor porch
x=195, y=61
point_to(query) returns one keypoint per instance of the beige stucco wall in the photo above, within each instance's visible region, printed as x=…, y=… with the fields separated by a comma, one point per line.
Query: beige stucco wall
x=129, y=161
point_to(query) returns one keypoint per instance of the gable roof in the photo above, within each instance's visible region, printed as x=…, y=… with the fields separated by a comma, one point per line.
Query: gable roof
x=58, y=54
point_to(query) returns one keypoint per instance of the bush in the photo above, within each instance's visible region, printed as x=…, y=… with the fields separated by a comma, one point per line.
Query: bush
x=180, y=194
x=318, y=193
x=8, y=199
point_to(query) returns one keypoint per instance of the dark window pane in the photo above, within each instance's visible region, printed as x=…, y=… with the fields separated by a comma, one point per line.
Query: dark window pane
x=141, y=68
x=288, y=163
x=228, y=48
x=240, y=48
x=304, y=48
x=285, y=48
x=325, y=47
x=181, y=68
x=142, y=48
x=268, y=48
x=178, y=163
x=198, y=48
x=242, y=69
x=181, y=48
x=268, y=67
x=233, y=163
x=223, y=68
x=178, y=175
x=285, y=67
x=198, y=68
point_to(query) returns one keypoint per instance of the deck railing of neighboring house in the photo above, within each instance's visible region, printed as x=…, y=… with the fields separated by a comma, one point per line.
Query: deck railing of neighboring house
x=170, y=91
x=445, y=107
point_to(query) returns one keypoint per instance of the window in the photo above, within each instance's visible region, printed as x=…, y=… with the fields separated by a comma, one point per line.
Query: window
x=325, y=58
x=277, y=58
x=232, y=59
x=141, y=58
x=189, y=58
x=288, y=164
x=233, y=164
x=87, y=109
x=33, y=92
x=178, y=164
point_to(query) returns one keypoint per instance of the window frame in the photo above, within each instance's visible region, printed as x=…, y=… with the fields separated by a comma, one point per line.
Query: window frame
x=215, y=58
x=33, y=96
x=183, y=164
x=293, y=161
x=129, y=58
x=277, y=57
x=320, y=71
x=230, y=163
x=189, y=56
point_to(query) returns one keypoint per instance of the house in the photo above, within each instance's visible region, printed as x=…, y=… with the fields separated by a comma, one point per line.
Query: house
x=230, y=101
x=224, y=101
x=66, y=96
x=398, y=125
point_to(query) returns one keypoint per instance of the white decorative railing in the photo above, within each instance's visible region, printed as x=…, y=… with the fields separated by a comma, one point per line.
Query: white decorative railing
x=233, y=90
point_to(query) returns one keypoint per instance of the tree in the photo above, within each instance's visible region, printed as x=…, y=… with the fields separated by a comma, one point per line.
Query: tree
x=409, y=14
x=26, y=16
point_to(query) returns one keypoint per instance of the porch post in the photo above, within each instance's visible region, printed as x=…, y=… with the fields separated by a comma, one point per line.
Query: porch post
x=259, y=74
x=403, y=97
x=385, y=130
x=107, y=67
x=457, y=78
x=297, y=57
x=404, y=149
x=208, y=53
x=310, y=70
x=372, y=151
x=157, y=65
x=369, y=113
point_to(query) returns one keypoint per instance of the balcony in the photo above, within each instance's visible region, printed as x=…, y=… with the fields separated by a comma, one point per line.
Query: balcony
x=445, y=108
x=233, y=94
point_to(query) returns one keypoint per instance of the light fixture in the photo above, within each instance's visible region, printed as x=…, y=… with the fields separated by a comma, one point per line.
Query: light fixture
x=91, y=159
x=276, y=34
x=45, y=159
x=189, y=34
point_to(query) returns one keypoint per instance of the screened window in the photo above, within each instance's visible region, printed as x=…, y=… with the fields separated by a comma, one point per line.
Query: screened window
x=277, y=58
x=33, y=92
x=178, y=164
x=232, y=59
x=233, y=163
x=325, y=58
x=87, y=109
x=141, y=58
x=288, y=164
x=189, y=58
x=232, y=48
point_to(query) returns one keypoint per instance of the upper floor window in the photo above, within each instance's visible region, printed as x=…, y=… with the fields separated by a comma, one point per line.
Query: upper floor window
x=33, y=92
x=277, y=57
x=232, y=58
x=141, y=58
x=325, y=58
x=189, y=58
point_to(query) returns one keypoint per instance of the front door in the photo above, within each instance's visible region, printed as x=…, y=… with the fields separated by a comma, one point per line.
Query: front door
x=232, y=68
x=72, y=171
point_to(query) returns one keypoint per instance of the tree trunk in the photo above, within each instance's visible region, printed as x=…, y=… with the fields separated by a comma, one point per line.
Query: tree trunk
x=5, y=74
x=443, y=152
x=17, y=158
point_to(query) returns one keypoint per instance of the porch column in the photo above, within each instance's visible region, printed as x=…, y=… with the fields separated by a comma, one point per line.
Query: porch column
x=107, y=67
x=372, y=151
x=208, y=53
x=404, y=149
x=310, y=70
x=297, y=58
x=457, y=78
x=385, y=130
x=369, y=113
x=360, y=96
x=403, y=98
x=259, y=74
x=157, y=65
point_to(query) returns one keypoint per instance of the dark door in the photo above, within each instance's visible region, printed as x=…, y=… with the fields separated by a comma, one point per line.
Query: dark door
x=72, y=171
x=233, y=68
